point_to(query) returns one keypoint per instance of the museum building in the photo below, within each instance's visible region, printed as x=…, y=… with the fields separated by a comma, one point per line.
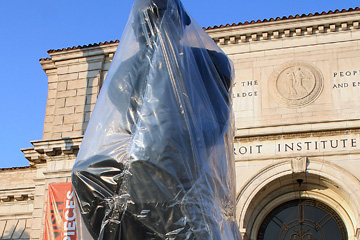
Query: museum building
x=296, y=100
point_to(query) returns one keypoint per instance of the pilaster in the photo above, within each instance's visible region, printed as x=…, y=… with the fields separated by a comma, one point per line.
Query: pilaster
x=53, y=161
x=75, y=77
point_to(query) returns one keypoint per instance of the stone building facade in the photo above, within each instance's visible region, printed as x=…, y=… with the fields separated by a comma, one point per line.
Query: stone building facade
x=297, y=108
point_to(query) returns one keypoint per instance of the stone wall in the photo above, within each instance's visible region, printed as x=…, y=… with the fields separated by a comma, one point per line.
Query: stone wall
x=74, y=81
x=17, y=202
x=296, y=107
x=296, y=103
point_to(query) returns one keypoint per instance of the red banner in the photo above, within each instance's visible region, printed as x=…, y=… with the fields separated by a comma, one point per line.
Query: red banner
x=60, y=213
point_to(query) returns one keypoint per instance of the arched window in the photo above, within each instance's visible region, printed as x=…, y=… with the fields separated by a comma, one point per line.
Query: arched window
x=305, y=219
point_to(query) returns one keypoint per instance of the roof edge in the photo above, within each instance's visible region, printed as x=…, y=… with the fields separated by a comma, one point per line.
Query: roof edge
x=50, y=51
x=15, y=168
x=290, y=17
x=284, y=18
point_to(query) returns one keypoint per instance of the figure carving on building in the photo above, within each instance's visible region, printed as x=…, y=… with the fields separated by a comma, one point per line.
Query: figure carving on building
x=295, y=83
x=157, y=158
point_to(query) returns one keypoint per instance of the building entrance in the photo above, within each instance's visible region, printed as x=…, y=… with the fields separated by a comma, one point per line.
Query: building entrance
x=303, y=219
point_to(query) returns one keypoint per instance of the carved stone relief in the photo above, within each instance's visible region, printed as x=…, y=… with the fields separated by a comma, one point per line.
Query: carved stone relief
x=296, y=84
x=299, y=165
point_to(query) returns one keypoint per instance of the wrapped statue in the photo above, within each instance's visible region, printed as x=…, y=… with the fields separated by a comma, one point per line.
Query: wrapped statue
x=157, y=160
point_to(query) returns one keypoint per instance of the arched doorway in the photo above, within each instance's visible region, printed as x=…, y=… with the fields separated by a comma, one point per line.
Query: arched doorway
x=303, y=219
x=277, y=185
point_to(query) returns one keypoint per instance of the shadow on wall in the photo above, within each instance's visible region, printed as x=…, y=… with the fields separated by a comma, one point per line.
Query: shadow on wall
x=98, y=62
x=14, y=229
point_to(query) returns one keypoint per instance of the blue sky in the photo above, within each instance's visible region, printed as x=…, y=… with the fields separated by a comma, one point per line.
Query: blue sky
x=29, y=28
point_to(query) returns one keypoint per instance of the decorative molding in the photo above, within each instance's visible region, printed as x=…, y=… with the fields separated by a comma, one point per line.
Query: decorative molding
x=43, y=150
x=17, y=195
x=62, y=171
x=339, y=181
x=234, y=34
x=298, y=165
x=296, y=83
x=305, y=134
x=228, y=39
x=58, y=57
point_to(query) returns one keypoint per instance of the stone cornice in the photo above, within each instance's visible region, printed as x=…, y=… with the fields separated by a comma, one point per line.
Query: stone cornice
x=272, y=29
x=284, y=18
x=101, y=44
x=297, y=128
x=18, y=194
x=286, y=28
x=25, y=168
x=78, y=52
x=51, y=173
x=234, y=34
x=44, y=149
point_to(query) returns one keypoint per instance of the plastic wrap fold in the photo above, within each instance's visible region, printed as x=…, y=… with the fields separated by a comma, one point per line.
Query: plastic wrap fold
x=156, y=160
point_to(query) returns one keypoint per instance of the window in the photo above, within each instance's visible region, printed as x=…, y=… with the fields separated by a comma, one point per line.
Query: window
x=305, y=219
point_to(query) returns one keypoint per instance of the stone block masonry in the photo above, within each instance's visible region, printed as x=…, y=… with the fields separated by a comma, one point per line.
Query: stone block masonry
x=74, y=85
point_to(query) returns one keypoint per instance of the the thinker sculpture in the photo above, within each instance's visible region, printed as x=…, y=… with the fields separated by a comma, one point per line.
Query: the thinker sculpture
x=157, y=161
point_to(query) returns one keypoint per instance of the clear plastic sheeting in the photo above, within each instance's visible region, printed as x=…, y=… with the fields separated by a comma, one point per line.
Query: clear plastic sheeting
x=157, y=160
